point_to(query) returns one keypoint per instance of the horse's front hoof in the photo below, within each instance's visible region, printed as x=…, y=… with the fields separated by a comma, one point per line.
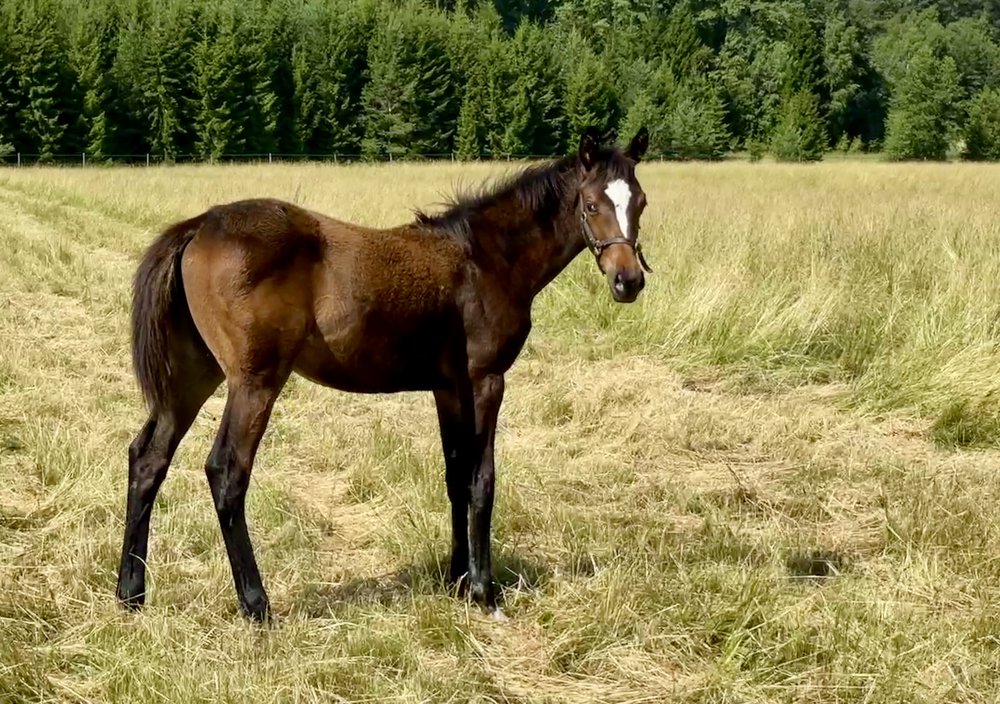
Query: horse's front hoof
x=485, y=596
x=498, y=615
x=256, y=608
x=130, y=599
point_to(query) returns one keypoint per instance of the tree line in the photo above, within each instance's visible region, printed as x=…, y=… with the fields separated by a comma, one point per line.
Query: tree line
x=487, y=79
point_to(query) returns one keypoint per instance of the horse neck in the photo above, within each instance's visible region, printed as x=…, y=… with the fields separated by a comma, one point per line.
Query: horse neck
x=527, y=250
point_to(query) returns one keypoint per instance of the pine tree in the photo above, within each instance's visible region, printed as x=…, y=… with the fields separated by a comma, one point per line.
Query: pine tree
x=532, y=115
x=410, y=103
x=387, y=99
x=437, y=101
x=697, y=124
x=51, y=109
x=651, y=107
x=496, y=75
x=922, y=113
x=329, y=70
x=982, y=131
x=264, y=32
x=590, y=97
x=644, y=112
x=490, y=78
x=169, y=75
x=843, y=65
x=220, y=81
x=753, y=79
x=799, y=134
x=94, y=48
x=11, y=95
x=476, y=44
x=805, y=67
x=470, y=137
x=682, y=48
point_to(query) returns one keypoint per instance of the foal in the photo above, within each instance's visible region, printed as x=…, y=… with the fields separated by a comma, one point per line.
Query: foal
x=252, y=291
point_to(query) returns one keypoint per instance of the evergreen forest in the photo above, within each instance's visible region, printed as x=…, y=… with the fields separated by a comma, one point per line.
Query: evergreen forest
x=471, y=79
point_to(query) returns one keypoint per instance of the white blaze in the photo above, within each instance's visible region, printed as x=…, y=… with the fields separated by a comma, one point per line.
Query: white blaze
x=620, y=194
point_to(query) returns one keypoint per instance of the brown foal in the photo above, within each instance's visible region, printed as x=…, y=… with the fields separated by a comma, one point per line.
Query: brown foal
x=252, y=291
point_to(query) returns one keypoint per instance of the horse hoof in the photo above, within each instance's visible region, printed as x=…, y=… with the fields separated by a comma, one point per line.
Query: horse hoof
x=485, y=596
x=131, y=601
x=257, y=610
x=498, y=615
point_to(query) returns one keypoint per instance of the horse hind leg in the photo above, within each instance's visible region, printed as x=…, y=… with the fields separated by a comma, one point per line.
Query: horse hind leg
x=149, y=457
x=248, y=409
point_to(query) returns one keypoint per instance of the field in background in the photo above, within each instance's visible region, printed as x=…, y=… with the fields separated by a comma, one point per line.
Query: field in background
x=771, y=480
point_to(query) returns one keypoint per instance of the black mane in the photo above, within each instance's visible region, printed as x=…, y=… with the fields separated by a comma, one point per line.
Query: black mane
x=539, y=189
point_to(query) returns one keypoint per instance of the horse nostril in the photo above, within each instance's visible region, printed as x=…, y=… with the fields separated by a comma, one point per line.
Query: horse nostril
x=621, y=284
x=624, y=282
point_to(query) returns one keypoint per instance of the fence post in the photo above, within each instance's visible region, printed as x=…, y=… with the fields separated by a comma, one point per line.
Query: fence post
x=269, y=157
x=84, y=158
x=19, y=158
x=147, y=159
x=335, y=157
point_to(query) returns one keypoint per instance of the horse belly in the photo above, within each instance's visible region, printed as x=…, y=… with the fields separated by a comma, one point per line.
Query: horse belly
x=375, y=361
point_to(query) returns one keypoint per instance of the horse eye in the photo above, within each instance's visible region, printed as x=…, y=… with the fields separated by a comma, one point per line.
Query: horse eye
x=591, y=207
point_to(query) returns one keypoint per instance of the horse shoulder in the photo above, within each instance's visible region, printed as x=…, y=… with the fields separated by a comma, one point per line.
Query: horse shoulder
x=496, y=325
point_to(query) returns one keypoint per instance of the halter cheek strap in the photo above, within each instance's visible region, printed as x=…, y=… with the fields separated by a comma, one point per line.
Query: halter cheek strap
x=597, y=246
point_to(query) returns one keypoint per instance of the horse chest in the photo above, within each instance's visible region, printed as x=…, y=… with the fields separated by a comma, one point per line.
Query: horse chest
x=493, y=343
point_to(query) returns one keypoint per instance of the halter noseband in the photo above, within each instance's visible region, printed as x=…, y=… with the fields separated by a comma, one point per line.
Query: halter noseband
x=597, y=246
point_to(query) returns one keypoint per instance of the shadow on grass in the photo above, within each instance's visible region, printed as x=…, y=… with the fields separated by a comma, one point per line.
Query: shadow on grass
x=424, y=578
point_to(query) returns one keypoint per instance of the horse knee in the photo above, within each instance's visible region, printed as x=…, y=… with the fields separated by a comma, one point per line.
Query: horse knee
x=457, y=487
x=481, y=493
x=227, y=482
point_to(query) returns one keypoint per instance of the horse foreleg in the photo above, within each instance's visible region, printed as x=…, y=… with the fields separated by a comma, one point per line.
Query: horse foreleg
x=455, y=420
x=488, y=395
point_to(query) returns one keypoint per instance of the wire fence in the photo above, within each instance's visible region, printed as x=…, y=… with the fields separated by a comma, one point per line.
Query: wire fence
x=84, y=159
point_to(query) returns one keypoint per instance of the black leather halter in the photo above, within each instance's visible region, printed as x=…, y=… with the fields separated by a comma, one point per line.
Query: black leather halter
x=597, y=246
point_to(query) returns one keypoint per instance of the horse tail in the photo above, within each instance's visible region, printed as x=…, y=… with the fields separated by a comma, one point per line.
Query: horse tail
x=161, y=320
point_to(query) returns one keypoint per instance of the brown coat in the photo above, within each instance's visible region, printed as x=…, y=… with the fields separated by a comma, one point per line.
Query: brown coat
x=255, y=290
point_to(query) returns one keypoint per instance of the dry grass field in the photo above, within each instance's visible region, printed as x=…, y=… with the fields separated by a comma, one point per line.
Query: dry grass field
x=772, y=479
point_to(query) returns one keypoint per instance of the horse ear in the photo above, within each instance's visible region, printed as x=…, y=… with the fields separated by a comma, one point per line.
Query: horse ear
x=639, y=144
x=589, y=141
